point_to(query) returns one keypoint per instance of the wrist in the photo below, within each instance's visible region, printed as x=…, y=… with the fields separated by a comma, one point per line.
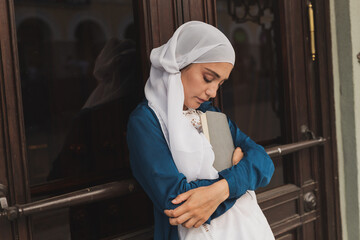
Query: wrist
x=223, y=189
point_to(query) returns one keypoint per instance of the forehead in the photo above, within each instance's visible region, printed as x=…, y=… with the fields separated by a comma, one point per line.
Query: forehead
x=223, y=69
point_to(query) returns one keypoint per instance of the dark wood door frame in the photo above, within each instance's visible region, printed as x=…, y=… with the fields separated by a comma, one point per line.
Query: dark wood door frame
x=329, y=185
x=13, y=165
x=313, y=80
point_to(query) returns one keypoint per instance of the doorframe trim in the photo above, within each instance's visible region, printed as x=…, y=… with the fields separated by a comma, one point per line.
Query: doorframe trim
x=13, y=135
x=330, y=183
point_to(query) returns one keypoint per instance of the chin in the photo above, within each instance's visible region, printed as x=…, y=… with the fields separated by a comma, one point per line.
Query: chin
x=193, y=105
x=197, y=105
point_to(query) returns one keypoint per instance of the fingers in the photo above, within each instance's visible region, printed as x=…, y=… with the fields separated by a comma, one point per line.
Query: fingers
x=179, y=220
x=199, y=223
x=174, y=213
x=186, y=220
x=237, y=155
x=169, y=213
x=178, y=211
x=182, y=197
x=241, y=153
x=190, y=223
x=198, y=204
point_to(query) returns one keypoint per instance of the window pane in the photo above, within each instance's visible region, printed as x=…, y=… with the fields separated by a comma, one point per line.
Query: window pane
x=80, y=80
x=252, y=96
x=78, y=67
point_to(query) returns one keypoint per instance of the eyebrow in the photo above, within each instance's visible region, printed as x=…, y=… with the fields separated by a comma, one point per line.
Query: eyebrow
x=215, y=73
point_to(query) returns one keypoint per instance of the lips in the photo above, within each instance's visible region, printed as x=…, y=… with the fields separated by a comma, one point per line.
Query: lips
x=201, y=100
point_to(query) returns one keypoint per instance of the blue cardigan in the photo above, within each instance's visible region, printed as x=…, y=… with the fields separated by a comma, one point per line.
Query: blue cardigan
x=153, y=167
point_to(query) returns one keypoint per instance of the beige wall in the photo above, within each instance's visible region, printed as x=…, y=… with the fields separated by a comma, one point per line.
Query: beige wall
x=345, y=31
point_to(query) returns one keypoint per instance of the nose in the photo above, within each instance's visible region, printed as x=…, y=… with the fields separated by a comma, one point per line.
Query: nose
x=211, y=90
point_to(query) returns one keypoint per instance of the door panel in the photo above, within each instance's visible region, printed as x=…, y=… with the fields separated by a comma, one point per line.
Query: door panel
x=14, y=174
x=271, y=95
x=5, y=226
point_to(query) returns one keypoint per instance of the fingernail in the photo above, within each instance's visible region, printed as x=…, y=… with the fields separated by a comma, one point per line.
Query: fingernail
x=174, y=201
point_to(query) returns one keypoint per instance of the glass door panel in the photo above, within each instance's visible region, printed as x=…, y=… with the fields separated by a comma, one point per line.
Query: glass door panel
x=80, y=80
x=253, y=95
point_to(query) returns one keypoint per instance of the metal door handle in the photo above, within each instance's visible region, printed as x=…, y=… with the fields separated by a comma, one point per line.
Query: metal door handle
x=113, y=189
x=294, y=147
x=309, y=201
x=91, y=194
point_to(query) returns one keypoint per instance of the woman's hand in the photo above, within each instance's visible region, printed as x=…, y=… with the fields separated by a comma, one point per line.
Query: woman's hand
x=237, y=155
x=199, y=204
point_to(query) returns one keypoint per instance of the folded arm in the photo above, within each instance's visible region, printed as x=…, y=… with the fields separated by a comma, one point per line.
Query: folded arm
x=152, y=164
x=253, y=171
x=155, y=170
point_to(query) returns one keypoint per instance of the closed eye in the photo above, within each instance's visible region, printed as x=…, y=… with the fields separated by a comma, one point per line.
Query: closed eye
x=207, y=80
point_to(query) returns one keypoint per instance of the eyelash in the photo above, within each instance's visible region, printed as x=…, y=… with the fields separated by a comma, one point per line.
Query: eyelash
x=207, y=80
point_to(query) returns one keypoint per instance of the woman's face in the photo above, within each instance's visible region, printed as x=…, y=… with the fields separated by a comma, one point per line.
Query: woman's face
x=202, y=80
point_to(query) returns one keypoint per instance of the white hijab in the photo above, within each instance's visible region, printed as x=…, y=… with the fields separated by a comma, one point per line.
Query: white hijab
x=192, y=42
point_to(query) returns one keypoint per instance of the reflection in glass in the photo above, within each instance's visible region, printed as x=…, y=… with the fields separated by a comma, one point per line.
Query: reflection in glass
x=80, y=80
x=95, y=144
x=252, y=96
x=69, y=134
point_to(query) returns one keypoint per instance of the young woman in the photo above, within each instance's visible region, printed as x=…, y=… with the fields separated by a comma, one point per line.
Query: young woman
x=170, y=156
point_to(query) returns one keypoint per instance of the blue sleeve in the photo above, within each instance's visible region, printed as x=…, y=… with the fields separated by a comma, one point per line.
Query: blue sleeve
x=153, y=167
x=152, y=164
x=253, y=171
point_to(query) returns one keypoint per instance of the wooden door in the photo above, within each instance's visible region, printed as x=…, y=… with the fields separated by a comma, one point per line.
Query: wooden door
x=276, y=94
x=274, y=90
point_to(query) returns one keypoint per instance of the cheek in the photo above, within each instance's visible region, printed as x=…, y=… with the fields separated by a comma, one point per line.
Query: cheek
x=193, y=84
x=197, y=84
x=189, y=86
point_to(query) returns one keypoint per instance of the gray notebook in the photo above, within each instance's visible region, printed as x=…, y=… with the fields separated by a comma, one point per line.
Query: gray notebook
x=216, y=129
